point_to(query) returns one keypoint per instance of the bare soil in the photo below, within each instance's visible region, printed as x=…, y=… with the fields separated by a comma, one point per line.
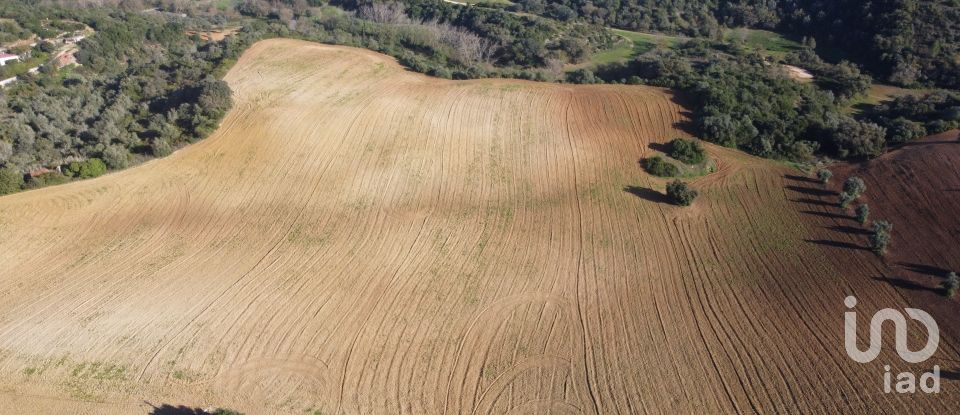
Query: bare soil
x=357, y=238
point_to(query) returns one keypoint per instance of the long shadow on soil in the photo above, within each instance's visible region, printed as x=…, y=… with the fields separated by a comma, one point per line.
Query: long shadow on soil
x=663, y=148
x=647, y=194
x=811, y=191
x=815, y=202
x=950, y=374
x=836, y=244
x=905, y=284
x=800, y=179
x=828, y=215
x=853, y=230
x=686, y=125
x=176, y=410
x=924, y=269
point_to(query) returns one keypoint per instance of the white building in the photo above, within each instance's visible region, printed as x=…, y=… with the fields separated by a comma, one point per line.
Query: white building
x=6, y=57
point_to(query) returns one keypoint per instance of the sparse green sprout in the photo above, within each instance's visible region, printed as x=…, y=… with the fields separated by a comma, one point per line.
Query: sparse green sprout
x=880, y=237
x=824, y=175
x=863, y=213
x=680, y=194
x=687, y=151
x=951, y=285
x=657, y=166
x=854, y=186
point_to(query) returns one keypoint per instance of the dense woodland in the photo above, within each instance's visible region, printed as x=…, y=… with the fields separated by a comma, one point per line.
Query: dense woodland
x=146, y=87
x=906, y=42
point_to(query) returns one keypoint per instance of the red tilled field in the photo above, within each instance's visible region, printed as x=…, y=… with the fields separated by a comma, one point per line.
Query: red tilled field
x=357, y=238
x=917, y=188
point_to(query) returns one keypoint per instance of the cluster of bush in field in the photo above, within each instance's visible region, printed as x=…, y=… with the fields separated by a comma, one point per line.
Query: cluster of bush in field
x=689, y=152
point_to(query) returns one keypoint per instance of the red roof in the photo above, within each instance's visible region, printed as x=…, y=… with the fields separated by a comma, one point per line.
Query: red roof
x=7, y=55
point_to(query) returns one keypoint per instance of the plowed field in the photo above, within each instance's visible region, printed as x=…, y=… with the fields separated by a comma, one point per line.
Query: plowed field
x=357, y=238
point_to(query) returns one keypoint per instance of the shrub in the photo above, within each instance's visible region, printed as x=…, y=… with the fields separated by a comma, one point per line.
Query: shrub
x=680, y=194
x=46, y=179
x=824, y=175
x=863, y=213
x=657, y=166
x=687, y=151
x=582, y=76
x=858, y=139
x=880, y=237
x=160, y=147
x=950, y=285
x=87, y=169
x=116, y=156
x=854, y=186
x=901, y=130
x=10, y=181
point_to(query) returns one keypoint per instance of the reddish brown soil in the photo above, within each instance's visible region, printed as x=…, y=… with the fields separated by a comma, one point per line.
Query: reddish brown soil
x=917, y=188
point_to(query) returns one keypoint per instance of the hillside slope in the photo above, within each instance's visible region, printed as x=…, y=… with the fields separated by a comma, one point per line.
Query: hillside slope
x=917, y=188
x=357, y=238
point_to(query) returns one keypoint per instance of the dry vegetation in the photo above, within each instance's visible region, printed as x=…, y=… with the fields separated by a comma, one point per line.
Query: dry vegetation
x=357, y=238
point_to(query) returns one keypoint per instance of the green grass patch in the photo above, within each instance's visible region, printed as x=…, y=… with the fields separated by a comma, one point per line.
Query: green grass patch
x=879, y=93
x=763, y=40
x=629, y=45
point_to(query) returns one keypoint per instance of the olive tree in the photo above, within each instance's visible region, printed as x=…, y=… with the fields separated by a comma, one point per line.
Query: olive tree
x=863, y=213
x=880, y=237
x=951, y=285
x=680, y=193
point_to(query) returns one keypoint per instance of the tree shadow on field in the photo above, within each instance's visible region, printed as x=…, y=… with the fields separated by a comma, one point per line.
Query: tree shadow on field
x=166, y=409
x=800, y=179
x=836, y=244
x=686, y=124
x=848, y=229
x=904, y=284
x=816, y=202
x=950, y=374
x=647, y=194
x=661, y=147
x=924, y=269
x=826, y=214
x=811, y=191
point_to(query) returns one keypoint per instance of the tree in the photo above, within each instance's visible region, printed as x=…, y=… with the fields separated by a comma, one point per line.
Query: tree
x=824, y=175
x=582, y=76
x=854, y=186
x=10, y=181
x=854, y=138
x=845, y=200
x=863, y=213
x=880, y=237
x=160, y=147
x=680, y=194
x=951, y=285
x=687, y=151
x=87, y=169
x=116, y=156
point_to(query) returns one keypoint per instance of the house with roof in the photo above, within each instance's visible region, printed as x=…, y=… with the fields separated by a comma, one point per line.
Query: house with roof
x=7, y=57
